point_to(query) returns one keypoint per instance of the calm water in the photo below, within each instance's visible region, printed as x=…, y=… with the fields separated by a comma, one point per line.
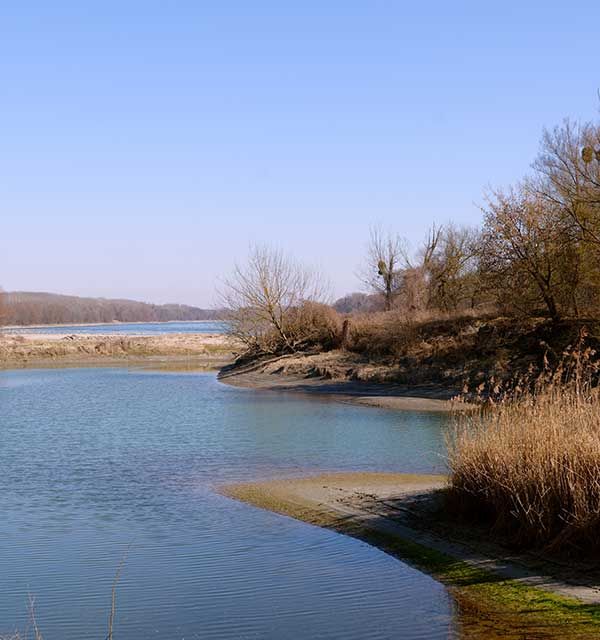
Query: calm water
x=94, y=460
x=136, y=328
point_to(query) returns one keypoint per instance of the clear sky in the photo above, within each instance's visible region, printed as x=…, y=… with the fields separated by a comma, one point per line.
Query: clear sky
x=145, y=144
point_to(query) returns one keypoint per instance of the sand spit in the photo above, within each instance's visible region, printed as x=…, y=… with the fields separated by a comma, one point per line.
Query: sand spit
x=500, y=593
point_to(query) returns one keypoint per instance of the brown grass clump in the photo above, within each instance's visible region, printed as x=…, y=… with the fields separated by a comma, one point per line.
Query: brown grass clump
x=420, y=335
x=529, y=462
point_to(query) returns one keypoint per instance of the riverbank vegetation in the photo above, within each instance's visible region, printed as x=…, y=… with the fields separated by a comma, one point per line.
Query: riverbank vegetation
x=532, y=265
x=276, y=305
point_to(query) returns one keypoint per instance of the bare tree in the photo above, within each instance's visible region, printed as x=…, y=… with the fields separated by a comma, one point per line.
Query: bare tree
x=430, y=246
x=262, y=298
x=384, y=264
x=413, y=280
x=452, y=266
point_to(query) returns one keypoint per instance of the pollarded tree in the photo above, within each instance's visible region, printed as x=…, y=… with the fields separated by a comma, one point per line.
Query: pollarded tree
x=382, y=272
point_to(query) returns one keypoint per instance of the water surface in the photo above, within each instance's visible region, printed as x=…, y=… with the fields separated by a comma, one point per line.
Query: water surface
x=95, y=460
x=125, y=328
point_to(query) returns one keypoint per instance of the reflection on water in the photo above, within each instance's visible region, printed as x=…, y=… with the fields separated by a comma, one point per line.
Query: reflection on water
x=95, y=459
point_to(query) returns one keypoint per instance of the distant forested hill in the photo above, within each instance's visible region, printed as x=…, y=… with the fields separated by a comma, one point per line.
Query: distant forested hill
x=26, y=308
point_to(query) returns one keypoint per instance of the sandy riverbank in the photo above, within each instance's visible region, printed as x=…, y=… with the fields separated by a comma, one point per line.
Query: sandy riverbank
x=299, y=374
x=203, y=350
x=507, y=593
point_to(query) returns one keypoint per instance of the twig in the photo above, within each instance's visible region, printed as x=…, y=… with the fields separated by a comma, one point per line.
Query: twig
x=36, y=632
x=114, y=593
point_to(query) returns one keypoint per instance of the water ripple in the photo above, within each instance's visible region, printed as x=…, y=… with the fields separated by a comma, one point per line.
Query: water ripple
x=95, y=460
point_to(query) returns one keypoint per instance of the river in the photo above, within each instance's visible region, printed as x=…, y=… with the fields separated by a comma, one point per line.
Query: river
x=99, y=464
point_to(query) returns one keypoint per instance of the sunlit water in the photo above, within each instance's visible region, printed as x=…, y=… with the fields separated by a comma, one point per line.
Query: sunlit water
x=134, y=328
x=96, y=460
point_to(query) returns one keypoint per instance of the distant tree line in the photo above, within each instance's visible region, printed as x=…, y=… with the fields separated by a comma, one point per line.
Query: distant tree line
x=26, y=308
x=358, y=302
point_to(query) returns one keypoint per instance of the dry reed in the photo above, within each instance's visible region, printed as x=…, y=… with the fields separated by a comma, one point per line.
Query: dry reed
x=529, y=462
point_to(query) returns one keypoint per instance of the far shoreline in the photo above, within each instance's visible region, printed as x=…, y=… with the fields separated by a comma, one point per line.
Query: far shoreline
x=30, y=350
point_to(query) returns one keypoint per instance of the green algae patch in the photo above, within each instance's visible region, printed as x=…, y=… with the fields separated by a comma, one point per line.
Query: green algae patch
x=530, y=606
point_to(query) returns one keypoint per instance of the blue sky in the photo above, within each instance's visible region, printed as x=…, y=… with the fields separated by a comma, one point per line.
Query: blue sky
x=144, y=145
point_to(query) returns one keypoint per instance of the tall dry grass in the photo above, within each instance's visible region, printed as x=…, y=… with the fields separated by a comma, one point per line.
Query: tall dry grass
x=528, y=463
x=398, y=333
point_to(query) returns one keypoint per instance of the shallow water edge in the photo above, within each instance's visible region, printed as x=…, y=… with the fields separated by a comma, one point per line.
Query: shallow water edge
x=499, y=603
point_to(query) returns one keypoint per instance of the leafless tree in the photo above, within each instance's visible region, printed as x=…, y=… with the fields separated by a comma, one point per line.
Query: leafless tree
x=452, y=267
x=413, y=279
x=430, y=246
x=384, y=264
x=262, y=299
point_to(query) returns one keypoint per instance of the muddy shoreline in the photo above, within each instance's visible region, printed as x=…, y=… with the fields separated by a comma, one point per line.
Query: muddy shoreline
x=276, y=374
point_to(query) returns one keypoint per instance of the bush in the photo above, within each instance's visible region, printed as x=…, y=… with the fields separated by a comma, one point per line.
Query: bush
x=397, y=334
x=313, y=325
x=381, y=334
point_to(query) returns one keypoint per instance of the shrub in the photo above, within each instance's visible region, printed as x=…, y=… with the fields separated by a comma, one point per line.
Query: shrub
x=313, y=325
x=397, y=334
